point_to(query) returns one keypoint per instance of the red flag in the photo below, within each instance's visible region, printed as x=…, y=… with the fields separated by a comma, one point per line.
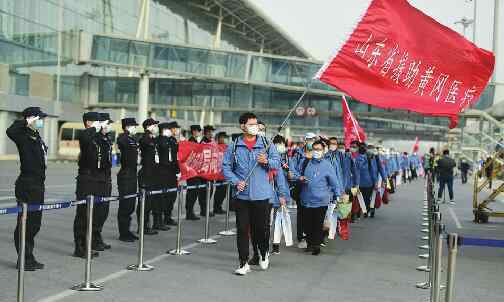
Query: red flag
x=398, y=57
x=351, y=128
x=416, y=145
x=203, y=160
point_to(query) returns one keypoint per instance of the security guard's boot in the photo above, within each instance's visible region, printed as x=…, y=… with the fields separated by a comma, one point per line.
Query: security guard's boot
x=158, y=223
x=80, y=251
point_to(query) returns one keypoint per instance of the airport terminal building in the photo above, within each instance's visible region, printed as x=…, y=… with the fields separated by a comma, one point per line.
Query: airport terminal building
x=196, y=61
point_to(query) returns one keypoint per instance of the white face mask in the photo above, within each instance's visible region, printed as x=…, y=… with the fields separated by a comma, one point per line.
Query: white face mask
x=153, y=129
x=167, y=132
x=132, y=130
x=317, y=154
x=281, y=148
x=106, y=127
x=333, y=147
x=252, y=130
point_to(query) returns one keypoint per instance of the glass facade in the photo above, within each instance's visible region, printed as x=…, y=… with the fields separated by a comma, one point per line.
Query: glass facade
x=186, y=70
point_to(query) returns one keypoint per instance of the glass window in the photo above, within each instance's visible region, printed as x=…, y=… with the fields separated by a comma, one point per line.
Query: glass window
x=262, y=98
x=139, y=54
x=260, y=69
x=280, y=70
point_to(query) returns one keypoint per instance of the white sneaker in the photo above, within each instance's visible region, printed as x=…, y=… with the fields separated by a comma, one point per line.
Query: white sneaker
x=302, y=244
x=264, y=263
x=452, y=202
x=243, y=270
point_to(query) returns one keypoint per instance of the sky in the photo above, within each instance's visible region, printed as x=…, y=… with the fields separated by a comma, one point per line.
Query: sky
x=317, y=24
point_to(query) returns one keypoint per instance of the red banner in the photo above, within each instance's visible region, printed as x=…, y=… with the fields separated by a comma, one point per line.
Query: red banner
x=202, y=160
x=398, y=57
x=351, y=128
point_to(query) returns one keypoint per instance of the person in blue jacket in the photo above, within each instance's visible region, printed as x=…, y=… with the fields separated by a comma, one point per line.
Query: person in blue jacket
x=299, y=157
x=246, y=165
x=280, y=184
x=320, y=186
x=414, y=164
x=405, y=165
x=378, y=172
x=368, y=175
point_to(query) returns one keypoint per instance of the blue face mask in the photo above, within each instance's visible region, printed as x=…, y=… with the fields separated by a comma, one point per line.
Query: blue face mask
x=39, y=124
x=309, y=146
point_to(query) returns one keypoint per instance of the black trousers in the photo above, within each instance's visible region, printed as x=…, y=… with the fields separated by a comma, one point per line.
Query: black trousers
x=196, y=194
x=366, y=194
x=252, y=216
x=392, y=184
x=313, y=221
x=86, y=186
x=31, y=193
x=126, y=186
x=166, y=202
x=464, y=176
x=220, y=195
x=255, y=244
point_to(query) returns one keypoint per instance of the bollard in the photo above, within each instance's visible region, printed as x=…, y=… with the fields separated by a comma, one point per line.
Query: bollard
x=452, y=261
x=22, y=252
x=87, y=285
x=437, y=253
x=140, y=266
x=209, y=192
x=178, y=251
x=227, y=231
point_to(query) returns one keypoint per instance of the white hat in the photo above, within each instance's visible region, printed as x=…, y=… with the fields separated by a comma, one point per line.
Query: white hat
x=310, y=135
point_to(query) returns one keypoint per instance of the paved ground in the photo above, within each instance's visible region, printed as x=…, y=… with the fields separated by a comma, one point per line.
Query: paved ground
x=377, y=264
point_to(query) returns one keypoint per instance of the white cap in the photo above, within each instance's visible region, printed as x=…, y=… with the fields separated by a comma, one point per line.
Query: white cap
x=310, y=135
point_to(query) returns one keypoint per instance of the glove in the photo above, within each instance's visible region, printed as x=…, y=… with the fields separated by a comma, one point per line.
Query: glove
x=354, y=190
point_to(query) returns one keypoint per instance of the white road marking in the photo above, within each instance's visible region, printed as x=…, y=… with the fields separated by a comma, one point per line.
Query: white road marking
x=455, y=218
x=118, y=274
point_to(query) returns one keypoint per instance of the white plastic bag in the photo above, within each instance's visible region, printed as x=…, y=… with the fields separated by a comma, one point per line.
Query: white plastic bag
x=277, y=228
x=373, y=199
x=286, y=226
x=332, y=217
x=362, y=204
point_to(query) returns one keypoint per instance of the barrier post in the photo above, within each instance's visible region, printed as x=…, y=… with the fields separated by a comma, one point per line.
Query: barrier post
x=140, y=266
x=209, y=195
x=178, y=251
x=87, y=285
x=437, y=254
x=227, y=231
x=452, y=261
x=22, y=253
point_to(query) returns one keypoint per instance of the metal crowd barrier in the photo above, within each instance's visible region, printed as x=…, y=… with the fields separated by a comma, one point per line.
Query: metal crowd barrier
x=87, y=284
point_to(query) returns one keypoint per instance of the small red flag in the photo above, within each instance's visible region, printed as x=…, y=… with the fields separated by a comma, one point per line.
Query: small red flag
x=351, y=128
x=398, y=57
x=416, y=145
x=201, y=160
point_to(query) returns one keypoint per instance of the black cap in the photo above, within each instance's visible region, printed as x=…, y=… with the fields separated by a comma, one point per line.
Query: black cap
x=91, y=116
x=173, y=124
x=128, y=121
x=222, y=134
x=208, y=128
x=195, y=128
x=104, y=116
x=33, y=111
x=163, y=126
x=149, y=122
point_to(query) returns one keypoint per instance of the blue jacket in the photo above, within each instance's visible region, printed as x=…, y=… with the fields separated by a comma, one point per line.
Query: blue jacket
x=345, y=168
x=415, y=161
x=404, y=162
x=236, y=167
x=322, y=184
x=281, y=187
x=384, y=166
x=368, y=176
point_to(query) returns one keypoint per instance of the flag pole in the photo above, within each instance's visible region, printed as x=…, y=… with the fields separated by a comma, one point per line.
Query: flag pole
x=352, y=118
x=282, y=125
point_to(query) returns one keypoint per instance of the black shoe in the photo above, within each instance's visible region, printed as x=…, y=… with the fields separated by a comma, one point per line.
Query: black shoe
x=126, y=238
x=36, y=264
x=98, y=246
x=149, y=231
x=316, y=251
x=31, y=265
x=309, y=249
x=81, y=253
x=170, y=221
x=203, y=214
x=161, y=227
x=366, y=215
x=219, y=211
x=133, y=236
x=254, y=260
x=192, y=217
x=276, y=249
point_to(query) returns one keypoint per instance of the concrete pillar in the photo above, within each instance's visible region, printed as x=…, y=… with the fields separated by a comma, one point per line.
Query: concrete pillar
x=4, y=120
x=4, y=79
x=51, y=136
x=218, y=33
x=143, y=97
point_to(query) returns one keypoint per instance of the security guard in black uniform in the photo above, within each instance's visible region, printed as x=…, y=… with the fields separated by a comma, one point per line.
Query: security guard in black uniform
x=220, y=191
x=30, y=182
x=167, y=174
x=193, y=194
x=94, y=178
x=147, y=177
x=127, y=181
